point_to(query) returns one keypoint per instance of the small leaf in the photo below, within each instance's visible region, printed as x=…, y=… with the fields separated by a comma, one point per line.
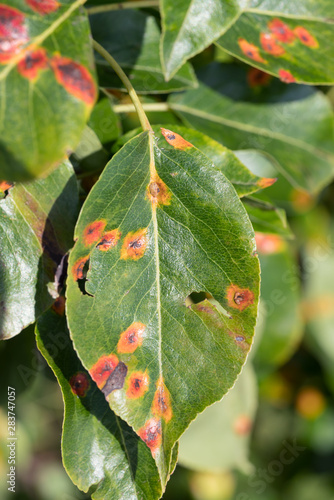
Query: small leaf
x=299, y=135
x=101, y=453
x=178, y=227
x=47, y=85
x=137, y=53
x=36, y=231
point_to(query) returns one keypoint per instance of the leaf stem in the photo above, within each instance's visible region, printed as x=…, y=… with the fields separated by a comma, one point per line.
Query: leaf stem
x=122, y=5
x=127, y=84
x=129, y=108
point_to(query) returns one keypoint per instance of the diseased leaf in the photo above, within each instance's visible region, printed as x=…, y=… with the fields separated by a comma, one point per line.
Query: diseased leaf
x=47, y=85
x=161, y=223
x=137, y=53
x=101, y=453
x=219, y=438
x=36, y=231
x=299, y=135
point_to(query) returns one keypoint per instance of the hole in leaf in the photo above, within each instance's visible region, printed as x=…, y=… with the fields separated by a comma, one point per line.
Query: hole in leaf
x=82, y=280
x=198, y=297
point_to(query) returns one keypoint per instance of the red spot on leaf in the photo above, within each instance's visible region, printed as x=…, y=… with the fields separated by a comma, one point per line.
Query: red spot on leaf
x=161, y=406
x=109, y=240
x=43, y=6
x=33, y=63
x=93, y=232
x=13, y=33
x=242, y=425
x=158, y=192
x=175, y=140
x=79, y=384
x=251, y=51
x=286, y=76
x=5, y=185
x=137, y=385
x=150, y=433
x=78, y=268
x=75, y=78
x=103, y=368
x=239, y=298
x=266, y=182
x=270, y=45
x=281, y=31
x=59, y=305
x=131, y=338
x=134, y=245
x=257, y=78
x=269, y=243
x=306, y=38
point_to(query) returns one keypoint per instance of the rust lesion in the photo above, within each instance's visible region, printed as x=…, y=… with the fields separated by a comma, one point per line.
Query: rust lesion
x=138, y=383
x=150, y=433
x=131, y=338
x=109, y=240
x=134, y=245
x=158, y=192
x=93, y=232
x=161, y=406
x=239, y=298
x=175, y=139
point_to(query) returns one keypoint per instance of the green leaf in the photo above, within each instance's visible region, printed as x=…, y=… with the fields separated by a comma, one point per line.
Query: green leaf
x=47, y=85
x=189, y=26
x=101, y=453
x=160, y=224
x=305, y=153
x=267, y=218
x=289, y=40
x=219, y=438
x=36, y=231
x=137, y=53
x=104, y=121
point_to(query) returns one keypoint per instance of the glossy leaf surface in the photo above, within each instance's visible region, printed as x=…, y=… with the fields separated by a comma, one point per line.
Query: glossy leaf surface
x=36, y=231
x=299, y=135
x=101, y=453
x=47, y=85
x=161, y=223
x=137, y=53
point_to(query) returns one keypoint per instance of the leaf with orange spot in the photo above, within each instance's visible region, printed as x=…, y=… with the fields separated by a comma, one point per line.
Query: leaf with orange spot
x=181, y=224
x=48, y=85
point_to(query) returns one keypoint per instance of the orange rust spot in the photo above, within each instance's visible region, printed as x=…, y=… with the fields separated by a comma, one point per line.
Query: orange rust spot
x=161, y=406
x=43, y=6
x=306, y=38
x=93, y=232
x=150, y=433
x=158, y=192
x=266, y=182
x=257, y=78
x=134, y=245
x=137, y=385
x=33, y=63
x=109, y=240
x=251, y=51
x=5, y=185
x=78, y=267
x=175, y=140
x=270, y=45
x=59, y=305
x=285, y=76
x=269, y=243
x=131, y=338
x=242, y=425
x=281, y=31
x=103, y=368
x=75, y=78
x=13, y=33
x=239, y=298
x=79, y=384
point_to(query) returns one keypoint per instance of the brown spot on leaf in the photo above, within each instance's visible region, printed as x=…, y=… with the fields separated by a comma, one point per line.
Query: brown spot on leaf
x=75, y=78
x=150, y=433
x=137, y=385
x=103, y=368
x=134, y=245
x=161, y=406
x=306, y=38
x=266, y=182
x=258, y=78
x=5, y=186
x=13, y=33
x=93, y=232
x=43, y=6
x=175, y=140
x=251, y=51
x=109, y=240
x=158, y=192
x=270, y=45
x=78, y=268
x=239, y=298
x=59, y=305
x=239, y=340
x=33, y=63
x=242, y=425
x=281, y=31
x=116, y=379
x=131, y=338
x=79, y=384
